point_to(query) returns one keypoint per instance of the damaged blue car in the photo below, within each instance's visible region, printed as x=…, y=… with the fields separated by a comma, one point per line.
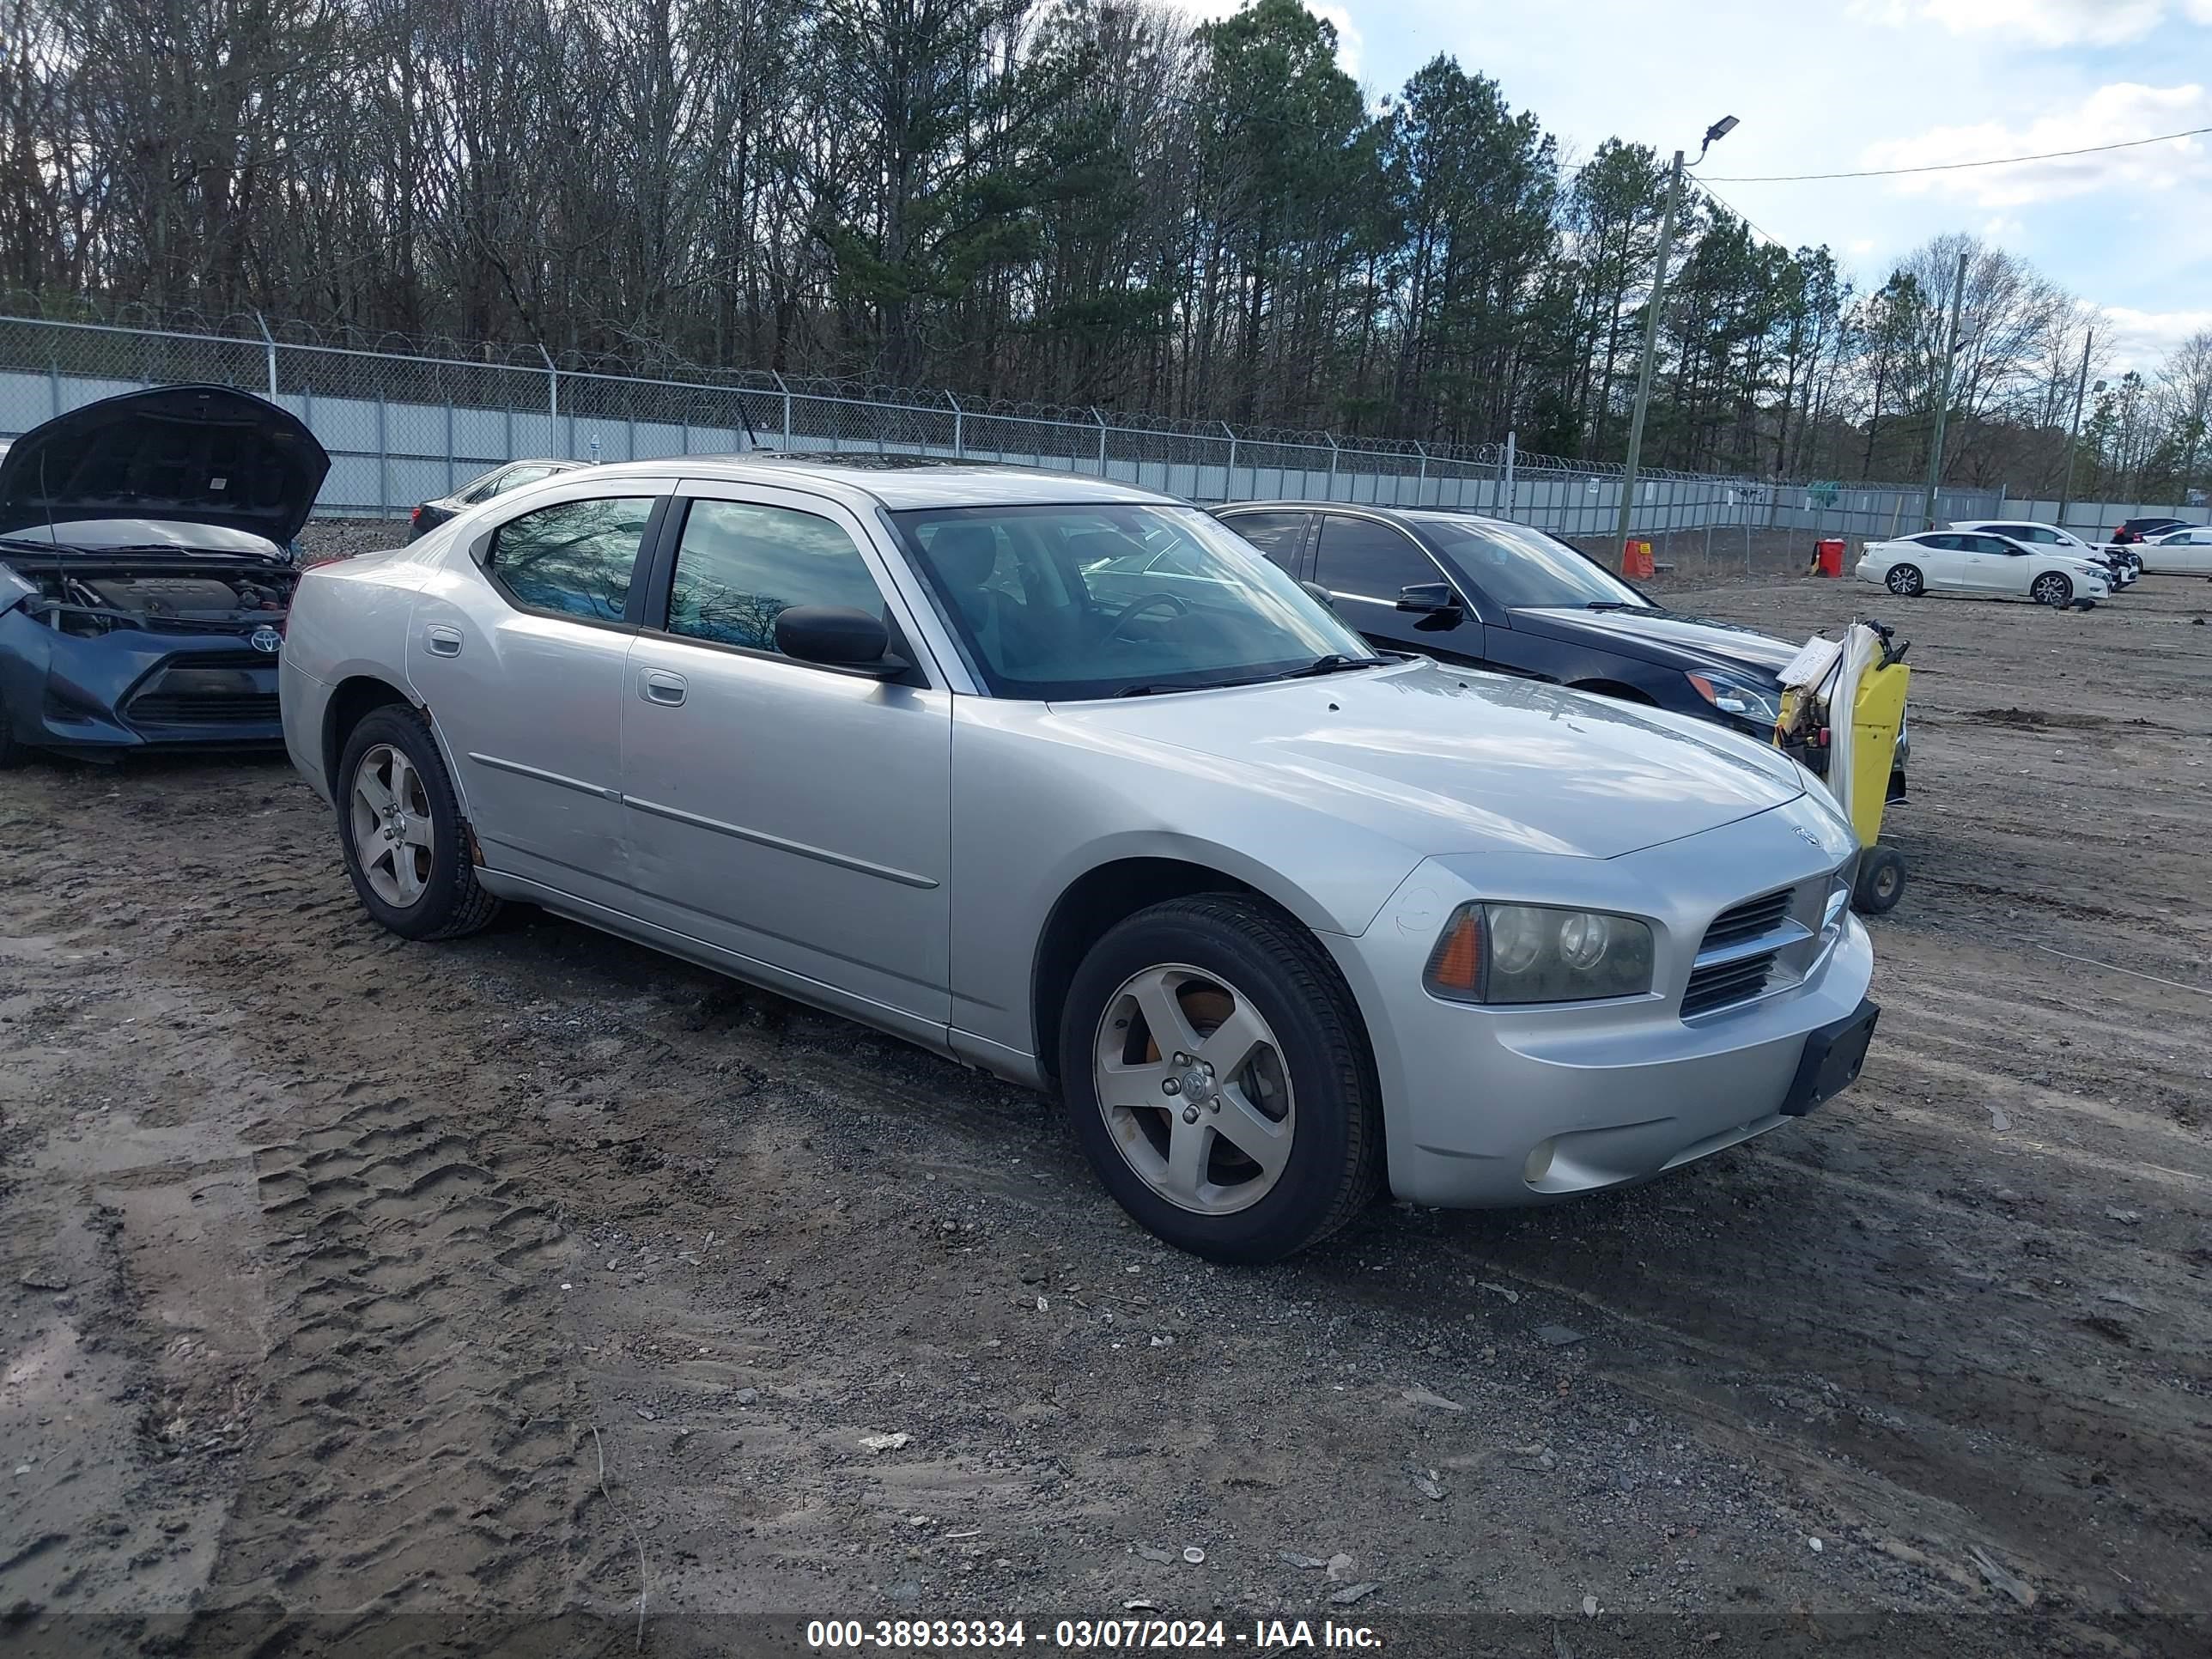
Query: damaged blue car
x=146, y=571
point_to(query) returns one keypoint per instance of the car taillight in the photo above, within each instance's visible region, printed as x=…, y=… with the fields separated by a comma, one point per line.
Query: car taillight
x=413, y=515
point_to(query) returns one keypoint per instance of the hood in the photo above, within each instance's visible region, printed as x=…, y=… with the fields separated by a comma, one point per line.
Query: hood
x=1449, y=762
x=182, y=454
x=1662, y=636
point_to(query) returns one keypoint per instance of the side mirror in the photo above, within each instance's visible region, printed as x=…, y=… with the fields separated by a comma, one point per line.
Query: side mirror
x=1427, y=599
x=1319, y=595
x=836, y=636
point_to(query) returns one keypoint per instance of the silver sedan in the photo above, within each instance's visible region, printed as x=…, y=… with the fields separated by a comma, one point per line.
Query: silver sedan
x=1063, y=780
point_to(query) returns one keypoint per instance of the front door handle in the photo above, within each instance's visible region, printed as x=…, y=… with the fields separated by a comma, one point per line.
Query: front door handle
x=662, y=687
x=444, y=642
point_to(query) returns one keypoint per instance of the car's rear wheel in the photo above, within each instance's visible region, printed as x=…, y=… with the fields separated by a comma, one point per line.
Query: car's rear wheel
x=399, y=821
x=1906, y=581
x=2051, y=588
x=1214, y=1070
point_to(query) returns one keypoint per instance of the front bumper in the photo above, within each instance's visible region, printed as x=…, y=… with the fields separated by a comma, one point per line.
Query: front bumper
x=1487, y=1107
x=135, y=688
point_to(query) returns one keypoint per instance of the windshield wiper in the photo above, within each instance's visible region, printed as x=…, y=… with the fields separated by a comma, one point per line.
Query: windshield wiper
x=1334, y=662
x=1612, y=605
x=1154, y=688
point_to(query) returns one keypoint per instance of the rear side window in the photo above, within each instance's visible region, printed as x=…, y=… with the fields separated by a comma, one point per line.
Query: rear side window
x=740, y=566
x=1366, y=560
x=576, y=559
x=515, y=477
x=1278, y=535
x=1942, y=544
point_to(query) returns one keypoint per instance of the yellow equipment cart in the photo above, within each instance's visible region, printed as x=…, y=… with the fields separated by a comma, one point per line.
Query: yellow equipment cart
x=1843, y=707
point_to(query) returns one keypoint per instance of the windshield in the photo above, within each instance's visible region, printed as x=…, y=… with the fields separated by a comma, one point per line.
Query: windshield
x=1076, y=602
x=1522, y=568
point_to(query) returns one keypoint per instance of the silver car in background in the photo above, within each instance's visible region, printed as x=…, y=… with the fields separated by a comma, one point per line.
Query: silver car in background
x=1062, y=780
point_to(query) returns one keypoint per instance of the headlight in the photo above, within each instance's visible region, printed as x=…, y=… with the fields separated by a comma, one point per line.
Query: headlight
x=1742, y=698
x=1499, y=953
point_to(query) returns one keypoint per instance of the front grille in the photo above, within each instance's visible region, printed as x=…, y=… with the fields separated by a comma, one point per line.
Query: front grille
x=1725, y=973
x=156, y=708
x=1748, y=919
x=1725, y=983
x=213, y=689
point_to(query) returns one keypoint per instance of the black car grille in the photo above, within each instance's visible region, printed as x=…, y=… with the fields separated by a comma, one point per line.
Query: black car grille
x=223, y=689
x=1748, y=919
x=1719, y=984
x=1729, y=982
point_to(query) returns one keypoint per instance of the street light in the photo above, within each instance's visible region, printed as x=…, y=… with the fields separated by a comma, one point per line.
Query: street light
x=1718, y=130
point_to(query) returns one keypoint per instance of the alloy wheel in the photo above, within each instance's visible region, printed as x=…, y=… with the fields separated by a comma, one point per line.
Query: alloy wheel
x=394, y=834
x=2051, y=588
x=1195, y=1091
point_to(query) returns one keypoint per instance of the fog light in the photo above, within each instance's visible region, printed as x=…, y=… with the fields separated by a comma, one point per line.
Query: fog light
x=1540, y=1163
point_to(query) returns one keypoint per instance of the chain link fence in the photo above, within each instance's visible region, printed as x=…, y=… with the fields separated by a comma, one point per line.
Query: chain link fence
x=404, y=426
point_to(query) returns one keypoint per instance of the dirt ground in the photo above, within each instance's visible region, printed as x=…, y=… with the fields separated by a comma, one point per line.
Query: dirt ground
x=535, y=1293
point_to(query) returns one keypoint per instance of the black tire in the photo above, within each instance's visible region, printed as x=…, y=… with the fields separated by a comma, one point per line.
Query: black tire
x=1906, y=581
x=2054, y=588
x=12, y=753
x=1335, y=1167
x=451, y=903
x=1880, y=882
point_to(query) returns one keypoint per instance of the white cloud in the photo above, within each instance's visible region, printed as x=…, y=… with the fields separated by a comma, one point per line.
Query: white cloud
x=2033, y=23
x=2144, y=339
x=2111, y=114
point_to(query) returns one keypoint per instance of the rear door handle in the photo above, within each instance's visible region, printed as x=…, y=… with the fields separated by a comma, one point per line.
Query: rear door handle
x=444, y=642
x=662, y=687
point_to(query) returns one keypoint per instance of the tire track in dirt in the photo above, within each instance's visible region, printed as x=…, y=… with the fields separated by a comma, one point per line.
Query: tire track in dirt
x=422, y=1445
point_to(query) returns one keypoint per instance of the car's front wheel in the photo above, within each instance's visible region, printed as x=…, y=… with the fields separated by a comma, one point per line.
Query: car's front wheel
x=1214, y=1068
x=2051, y=588
x=399, y=821
x=1906, y=581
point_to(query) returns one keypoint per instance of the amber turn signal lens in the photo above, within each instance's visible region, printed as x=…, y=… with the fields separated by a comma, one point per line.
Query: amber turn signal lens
x=1455, y=965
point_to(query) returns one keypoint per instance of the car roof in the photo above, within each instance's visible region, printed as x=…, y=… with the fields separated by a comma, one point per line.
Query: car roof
x=1374, y=510
x=898, y=482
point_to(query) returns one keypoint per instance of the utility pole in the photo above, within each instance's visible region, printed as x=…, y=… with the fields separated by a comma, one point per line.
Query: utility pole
x=1650, y=349
x=2073, y=432
x=1943, y=398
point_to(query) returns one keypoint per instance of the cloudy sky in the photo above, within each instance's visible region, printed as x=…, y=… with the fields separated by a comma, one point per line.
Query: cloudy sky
x=1825, y=86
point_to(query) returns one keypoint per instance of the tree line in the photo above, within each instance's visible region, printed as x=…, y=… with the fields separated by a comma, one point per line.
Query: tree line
x=1084, y=202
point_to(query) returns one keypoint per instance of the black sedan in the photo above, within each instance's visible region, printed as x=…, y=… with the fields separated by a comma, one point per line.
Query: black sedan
x=508, y=475
x=146, y=571
x=1489, y=594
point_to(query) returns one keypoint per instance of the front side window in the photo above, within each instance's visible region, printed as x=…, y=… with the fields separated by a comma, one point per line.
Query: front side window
x=1045, y=611
x=1369, y=560
x=1522, y=568
x=1277, y=535
x=575, y=559
x=740, y=566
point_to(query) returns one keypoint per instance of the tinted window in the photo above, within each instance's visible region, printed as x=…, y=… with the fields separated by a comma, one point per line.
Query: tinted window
x=1989, y=545
x=575, y=559
x=1368, y=560
x=740, y=567
x=1517, y=565
x=515, y=477
x=1945, y=543
x=1277, y=535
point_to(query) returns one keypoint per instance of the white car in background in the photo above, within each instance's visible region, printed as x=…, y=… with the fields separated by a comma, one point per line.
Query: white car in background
x=1991, y=566
x=2178, y=552
x=2124, y=567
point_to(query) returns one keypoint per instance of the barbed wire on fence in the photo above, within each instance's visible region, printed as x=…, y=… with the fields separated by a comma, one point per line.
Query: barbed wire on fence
x=411, y=419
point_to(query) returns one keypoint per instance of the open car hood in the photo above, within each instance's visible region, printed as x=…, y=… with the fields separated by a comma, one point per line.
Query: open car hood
x=188, y=454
